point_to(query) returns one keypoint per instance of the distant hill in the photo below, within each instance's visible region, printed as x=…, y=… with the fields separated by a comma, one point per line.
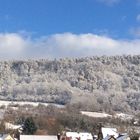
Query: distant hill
x=94, y=84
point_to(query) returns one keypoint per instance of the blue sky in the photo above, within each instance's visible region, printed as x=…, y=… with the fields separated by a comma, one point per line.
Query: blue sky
x=45, y=17
x=68, y=28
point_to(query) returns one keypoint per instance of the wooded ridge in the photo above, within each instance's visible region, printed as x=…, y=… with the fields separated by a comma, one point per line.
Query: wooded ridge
x=92, y=83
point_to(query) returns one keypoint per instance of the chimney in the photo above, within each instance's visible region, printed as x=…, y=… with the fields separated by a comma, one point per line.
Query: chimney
x=58, y=136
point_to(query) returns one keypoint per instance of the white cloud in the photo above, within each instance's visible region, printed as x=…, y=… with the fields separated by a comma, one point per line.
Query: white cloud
x=16, y=46
x=12, y=45
x=109, y=2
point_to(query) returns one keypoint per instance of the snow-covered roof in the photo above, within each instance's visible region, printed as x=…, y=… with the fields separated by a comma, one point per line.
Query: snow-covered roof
x=82, y=136
x=110, y=131
x=37, y=137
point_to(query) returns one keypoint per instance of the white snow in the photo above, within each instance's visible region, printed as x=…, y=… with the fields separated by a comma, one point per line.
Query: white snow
x=96, y=114
x=6, y=103
x=105, y=115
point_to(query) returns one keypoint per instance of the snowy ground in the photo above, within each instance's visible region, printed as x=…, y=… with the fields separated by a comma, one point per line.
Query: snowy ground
x=6, y=103
x=96, y=114
x=105, y=115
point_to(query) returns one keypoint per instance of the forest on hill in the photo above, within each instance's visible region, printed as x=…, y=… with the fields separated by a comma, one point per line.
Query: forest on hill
x=106, y=83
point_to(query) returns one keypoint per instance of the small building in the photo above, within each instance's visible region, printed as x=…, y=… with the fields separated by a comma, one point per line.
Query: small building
x=38, y=137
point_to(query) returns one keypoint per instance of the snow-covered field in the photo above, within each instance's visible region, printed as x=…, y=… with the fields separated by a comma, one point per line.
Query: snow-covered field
x=96, y=114
x=6, y=103
x=105, y=115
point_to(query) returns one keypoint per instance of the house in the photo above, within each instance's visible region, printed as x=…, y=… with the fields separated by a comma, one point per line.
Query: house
x=6, y=137
x=38, y=137
x=109, y=132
